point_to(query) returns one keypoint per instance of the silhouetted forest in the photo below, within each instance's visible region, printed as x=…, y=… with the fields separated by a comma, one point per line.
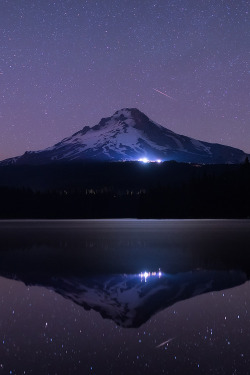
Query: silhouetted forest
x=120, y=190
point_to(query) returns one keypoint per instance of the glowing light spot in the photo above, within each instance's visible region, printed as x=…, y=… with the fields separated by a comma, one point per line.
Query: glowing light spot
x=145, y=275
x=144, y=160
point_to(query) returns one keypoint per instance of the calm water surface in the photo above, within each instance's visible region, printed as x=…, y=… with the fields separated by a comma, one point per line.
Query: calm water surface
x=124, y=297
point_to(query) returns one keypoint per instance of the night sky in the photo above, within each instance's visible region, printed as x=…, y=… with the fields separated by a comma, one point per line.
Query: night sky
x=66, y=64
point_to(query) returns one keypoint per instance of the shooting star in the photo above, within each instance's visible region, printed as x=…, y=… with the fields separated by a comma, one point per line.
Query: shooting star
x=168, y=96
x=165, y=343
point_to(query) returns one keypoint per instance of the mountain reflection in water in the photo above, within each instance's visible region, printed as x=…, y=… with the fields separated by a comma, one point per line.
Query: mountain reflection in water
x=130, y=301
x=59, y=280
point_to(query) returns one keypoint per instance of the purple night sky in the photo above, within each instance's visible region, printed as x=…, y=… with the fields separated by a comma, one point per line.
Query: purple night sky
x=65, y=64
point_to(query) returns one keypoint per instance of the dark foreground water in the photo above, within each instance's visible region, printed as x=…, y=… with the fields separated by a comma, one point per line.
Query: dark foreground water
x=125, y=297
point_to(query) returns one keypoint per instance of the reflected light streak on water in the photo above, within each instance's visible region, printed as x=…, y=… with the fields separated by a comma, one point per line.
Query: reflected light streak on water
x=145, y=275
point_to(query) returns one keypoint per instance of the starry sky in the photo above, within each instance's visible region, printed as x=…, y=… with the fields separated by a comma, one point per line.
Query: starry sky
x=65, y=64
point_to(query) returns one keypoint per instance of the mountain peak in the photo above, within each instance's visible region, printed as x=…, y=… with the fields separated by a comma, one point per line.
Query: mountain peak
x=121, y=115
x=130, y=113
x=126, y=112
x=130, y=135
x=123, y=118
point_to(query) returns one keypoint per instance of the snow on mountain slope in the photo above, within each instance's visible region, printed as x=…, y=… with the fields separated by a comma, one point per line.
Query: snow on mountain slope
x=130, y=135
x=128, y=300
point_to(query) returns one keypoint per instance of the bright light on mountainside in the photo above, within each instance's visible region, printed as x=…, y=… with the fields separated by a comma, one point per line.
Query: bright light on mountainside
x=145, y=160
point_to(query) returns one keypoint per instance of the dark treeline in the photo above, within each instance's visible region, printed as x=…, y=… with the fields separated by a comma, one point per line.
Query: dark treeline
x=119, y=190
x=116, y=175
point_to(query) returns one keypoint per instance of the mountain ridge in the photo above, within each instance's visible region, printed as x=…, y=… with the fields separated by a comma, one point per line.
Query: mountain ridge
x=130, y=135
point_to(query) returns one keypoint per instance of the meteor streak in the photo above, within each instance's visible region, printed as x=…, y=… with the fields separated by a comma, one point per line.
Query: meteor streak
x=164, y=343
x=164, y=94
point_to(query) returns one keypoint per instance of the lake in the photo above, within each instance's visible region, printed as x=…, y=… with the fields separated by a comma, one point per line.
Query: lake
x=125, y=297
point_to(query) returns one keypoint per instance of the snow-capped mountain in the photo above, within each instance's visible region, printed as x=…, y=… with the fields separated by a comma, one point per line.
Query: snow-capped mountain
x=130, y=135
x=131, y=300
